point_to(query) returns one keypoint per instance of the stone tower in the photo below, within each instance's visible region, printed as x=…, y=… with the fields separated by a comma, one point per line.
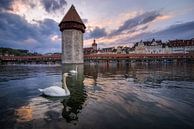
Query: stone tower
x=72, y=28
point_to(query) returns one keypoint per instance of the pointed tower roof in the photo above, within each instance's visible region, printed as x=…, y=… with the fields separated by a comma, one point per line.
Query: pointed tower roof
x=72, y=20
x=72, y=15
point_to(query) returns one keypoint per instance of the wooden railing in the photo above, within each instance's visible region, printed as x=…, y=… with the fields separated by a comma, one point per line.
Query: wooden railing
x=140, y=56
x=101, y=57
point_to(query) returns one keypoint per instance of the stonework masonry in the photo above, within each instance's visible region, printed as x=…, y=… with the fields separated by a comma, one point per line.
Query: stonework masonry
x=72, y=46
x=72, y=29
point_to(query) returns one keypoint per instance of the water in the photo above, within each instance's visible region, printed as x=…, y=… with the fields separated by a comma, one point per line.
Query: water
x=103, y=96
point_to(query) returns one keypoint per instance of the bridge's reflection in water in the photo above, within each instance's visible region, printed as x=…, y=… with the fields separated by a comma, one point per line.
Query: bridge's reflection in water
x=74, y=103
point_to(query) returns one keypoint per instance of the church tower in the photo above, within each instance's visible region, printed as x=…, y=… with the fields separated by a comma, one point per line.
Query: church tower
x=72, y=28
x=94, y=45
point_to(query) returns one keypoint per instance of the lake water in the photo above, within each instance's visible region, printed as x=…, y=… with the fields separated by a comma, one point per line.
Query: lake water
x=103, y=96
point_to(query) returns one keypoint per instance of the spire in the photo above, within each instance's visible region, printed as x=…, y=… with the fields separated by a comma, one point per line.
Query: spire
x=94, y=42
x=72, y=20
x=72, y=15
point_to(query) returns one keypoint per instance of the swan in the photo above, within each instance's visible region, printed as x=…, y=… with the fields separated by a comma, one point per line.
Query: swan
x=73, y=71
x=56, y=91
x=130, y=79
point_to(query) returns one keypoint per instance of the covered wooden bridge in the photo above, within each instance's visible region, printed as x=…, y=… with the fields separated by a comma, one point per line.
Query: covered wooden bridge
x=103, y=57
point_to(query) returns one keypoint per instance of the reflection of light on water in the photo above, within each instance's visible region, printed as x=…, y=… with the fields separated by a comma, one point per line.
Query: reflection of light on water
x=115, y=92
x=24, y=114
x=88, y=82
x=178, y=84
x=108, y=98
x=42, y=105
x=38, y=109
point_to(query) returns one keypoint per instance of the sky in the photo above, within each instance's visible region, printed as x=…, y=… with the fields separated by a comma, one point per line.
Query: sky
x=33, y=24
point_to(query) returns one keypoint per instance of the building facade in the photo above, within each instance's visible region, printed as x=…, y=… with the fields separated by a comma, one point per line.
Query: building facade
x=157, y=47
x=181, y=46
x=91, y=50
x=146, y=47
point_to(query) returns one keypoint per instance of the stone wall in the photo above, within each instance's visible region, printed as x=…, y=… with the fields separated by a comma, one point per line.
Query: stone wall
x=72, y=46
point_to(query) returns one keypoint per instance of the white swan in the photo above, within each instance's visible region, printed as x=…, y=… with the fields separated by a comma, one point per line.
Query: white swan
x=130, y=79
x=73, y=71
x=56, y=91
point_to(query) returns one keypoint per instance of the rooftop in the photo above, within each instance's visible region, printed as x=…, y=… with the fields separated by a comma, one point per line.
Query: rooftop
x=72, y=16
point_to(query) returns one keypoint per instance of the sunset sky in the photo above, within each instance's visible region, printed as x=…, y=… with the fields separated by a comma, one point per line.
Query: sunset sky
x=33, y=24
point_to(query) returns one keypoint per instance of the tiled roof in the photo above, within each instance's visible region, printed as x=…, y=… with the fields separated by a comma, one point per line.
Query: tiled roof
x=72, y=15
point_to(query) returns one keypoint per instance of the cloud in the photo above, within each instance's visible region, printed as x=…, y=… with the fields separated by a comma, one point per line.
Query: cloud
x=6, y=4
x=18, y=33
x=85, y=21
x=177, y=31
x=97, y=32
x=43, y=35
x=128, y=29
x=48, y=27
x=17, y=6
x=136, y=21
x=53, y=5
x=15, y=27
x=184, y=31
x=137, y=28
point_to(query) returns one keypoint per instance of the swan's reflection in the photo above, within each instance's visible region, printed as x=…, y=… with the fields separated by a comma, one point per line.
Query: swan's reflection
x=74, y=103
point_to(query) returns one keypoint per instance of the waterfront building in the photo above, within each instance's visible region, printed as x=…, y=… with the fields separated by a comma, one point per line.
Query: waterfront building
x=126, y=50
x=108, y=50
x=91, y=50
x=94, y=49
x=157, y=47
x=88, y=50
x=120, y=50
x=147, y=47
x=139, y=48
x=150, y=47
x=72, y=29
x=181, y=46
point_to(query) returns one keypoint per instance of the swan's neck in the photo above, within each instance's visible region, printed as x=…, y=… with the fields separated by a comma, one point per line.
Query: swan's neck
x=64, y=85
x=76, y=69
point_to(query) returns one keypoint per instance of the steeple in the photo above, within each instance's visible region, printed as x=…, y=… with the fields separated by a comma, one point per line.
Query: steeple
x=72, y=20
x=94, y=45
x=94, y=42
